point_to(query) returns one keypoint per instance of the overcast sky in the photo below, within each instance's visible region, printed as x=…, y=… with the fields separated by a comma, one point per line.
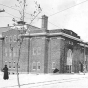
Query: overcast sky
x=75, y=18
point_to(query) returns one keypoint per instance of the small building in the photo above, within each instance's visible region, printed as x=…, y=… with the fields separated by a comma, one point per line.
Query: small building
x=42, y=51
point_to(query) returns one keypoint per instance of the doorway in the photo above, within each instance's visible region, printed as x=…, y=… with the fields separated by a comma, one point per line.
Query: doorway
x=69, y=61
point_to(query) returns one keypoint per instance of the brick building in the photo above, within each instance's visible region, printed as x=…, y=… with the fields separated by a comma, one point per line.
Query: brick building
x=43, y=50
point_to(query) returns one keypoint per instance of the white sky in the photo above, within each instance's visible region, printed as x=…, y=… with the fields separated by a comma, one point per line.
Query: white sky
x=75, y=19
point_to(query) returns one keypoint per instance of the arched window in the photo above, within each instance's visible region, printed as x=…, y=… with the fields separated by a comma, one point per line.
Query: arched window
x=69, y=57
x=69, y=53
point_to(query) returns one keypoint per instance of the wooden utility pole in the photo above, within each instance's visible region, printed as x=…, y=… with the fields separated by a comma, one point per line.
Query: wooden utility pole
x=2, y=41
x=24, y=9
x=23, y=14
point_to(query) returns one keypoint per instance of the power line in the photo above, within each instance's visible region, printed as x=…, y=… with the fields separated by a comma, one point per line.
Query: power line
x=53, y=24
x=68, y=8
x=12, y=15
x=12, y=8
x=16, y=16
x=34, y=18
x=6, y=16
x=9, y=7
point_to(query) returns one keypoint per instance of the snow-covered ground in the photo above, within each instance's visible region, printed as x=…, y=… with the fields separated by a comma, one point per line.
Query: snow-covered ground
x=46, y=81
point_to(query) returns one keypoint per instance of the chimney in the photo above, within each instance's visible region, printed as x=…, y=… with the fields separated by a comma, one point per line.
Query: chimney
x=44, y=22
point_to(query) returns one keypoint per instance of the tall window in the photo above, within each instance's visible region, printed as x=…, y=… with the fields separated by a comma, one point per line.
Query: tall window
x=14, y=63
x=14, y=38
x=10, y=38
x=9, y=64
x=6, y=52
x=36, y=50
x=10, y=53
x=53, y=65
x=14, y=52
x=38, y=66
x=6, y=62
x=6, y=39
x=69, y=57
x=34, y=65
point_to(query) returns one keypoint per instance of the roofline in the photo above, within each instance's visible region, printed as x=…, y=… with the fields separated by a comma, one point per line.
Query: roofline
x=66, y=35
x=84, y=45
x=52, y=34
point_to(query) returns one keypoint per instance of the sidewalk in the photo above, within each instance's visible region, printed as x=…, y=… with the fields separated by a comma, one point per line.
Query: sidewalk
x=34, y=79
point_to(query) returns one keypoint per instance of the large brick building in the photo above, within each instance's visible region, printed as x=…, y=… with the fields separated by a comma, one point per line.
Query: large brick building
x=43, y=50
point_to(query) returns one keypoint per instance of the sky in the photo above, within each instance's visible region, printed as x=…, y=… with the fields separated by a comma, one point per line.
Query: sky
x=75, y=19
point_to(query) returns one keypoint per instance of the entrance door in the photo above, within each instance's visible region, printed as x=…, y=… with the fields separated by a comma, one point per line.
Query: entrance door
x=80, y=67
x=69, y=61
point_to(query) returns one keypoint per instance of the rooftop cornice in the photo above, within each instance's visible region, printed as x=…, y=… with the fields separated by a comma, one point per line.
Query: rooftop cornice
x=84, y=45
x=52, y=34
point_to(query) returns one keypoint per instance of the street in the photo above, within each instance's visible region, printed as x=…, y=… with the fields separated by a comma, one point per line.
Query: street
x=46, y=81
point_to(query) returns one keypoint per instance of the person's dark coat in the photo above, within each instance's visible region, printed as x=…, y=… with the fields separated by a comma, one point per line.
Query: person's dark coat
x=6, y=75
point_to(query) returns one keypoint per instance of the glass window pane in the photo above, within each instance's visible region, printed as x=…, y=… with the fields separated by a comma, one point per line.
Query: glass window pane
x=53, y=65
x=34, y=66
x=38, y=66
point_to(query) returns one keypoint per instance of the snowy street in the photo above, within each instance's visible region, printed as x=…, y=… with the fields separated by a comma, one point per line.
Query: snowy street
x=46, y=81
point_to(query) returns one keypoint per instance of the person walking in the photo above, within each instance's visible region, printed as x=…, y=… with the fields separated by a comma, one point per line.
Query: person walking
x=6, y=75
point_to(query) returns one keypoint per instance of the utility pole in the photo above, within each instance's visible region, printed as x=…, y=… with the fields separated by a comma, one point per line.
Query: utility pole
x=22, y=13
x=2, y=41
x=23, y=9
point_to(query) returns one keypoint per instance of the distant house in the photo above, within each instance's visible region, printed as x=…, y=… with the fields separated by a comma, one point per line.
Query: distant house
x=43, y=51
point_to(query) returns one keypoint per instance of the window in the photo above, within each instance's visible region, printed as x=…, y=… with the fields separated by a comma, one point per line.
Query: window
x=14, y=52
x=38, y=50
x=10, y=53
x=53, y=65
x=5, y=62
x=9, y=64
x=70, y=42
x=6, y=39
x=69, y=57
x=34, y=66
x=10, y=38
x=6, y=54
x=14, y=38
x=14, y=64
x=18, y=66
x=38, y=66
x=34, y=51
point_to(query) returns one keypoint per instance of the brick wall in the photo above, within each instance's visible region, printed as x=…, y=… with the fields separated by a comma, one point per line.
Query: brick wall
x=63, y=56
x=42, y=54
x=1, y=55
x=54, y=54
x=78, y=57
x=12, y=49
x=23, y=60
x=46, y=53
x=37, y=49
